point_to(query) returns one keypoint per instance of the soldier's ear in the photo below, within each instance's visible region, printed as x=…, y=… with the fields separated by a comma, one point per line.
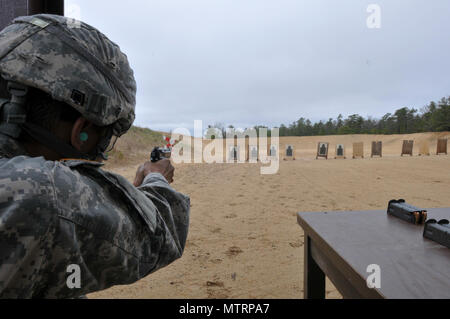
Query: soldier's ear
x=78, y=134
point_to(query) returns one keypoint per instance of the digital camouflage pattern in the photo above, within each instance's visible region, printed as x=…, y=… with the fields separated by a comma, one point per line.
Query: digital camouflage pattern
x=73, y=62
x=54, y=214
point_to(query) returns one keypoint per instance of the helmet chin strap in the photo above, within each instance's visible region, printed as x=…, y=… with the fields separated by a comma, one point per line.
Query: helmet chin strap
x=13, y=122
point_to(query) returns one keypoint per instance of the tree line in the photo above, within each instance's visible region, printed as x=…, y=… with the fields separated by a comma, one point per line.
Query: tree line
x=434, y=117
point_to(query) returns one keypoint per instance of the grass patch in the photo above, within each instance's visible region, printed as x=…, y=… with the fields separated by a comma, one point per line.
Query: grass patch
x=135, y=145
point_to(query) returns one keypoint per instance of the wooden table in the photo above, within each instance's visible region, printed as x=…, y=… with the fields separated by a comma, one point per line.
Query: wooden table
x=341, y=245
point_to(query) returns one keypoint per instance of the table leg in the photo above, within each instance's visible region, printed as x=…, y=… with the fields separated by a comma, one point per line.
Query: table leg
x=313, y=276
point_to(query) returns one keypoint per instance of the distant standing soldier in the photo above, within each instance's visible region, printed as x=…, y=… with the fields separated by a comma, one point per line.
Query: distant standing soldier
x=68, y=93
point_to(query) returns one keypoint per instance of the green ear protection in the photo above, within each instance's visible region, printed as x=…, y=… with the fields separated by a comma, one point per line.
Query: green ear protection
x=84, y=137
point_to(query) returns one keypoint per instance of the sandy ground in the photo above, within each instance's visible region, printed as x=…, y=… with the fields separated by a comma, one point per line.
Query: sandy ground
x=244, y=241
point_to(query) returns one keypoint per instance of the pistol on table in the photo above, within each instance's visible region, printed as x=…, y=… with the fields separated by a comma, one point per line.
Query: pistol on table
x=438, y=231
x=409, y=213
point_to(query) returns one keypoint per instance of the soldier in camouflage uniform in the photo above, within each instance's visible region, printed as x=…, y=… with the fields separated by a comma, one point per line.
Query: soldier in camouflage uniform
x=58, y=208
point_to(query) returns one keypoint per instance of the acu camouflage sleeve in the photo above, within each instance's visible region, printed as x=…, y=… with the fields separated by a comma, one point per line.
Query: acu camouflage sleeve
x=115, y=232
x=173, y=206
x=28, y=216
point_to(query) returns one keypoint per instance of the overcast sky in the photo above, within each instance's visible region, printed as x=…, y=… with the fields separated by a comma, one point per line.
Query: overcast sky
x=248, y=62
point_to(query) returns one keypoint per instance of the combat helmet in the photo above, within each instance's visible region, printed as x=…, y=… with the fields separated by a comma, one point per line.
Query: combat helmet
x=74, y=63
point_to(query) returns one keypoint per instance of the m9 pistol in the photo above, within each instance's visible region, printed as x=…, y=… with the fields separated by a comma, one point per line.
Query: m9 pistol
x=160, y=153
x=438, y=231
